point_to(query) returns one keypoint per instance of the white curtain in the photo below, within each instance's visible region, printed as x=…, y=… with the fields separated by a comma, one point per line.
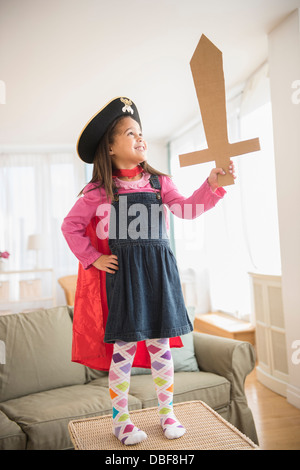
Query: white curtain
x=239, y=235
x=37, y=189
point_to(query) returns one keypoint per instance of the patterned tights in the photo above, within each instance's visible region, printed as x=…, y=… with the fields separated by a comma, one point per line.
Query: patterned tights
x=163, y=376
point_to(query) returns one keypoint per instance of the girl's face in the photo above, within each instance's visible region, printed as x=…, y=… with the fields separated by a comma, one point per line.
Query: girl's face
x=128, y=148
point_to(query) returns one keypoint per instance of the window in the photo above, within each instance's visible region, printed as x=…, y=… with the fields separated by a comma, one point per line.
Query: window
x=37, y=191
x=240, y=235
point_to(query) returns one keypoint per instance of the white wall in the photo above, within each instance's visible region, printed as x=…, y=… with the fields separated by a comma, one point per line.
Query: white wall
x=284, y=62
x=158, y=155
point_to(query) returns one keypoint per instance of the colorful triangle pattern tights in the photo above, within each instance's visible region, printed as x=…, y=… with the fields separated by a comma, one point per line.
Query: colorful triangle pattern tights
x=162, y=370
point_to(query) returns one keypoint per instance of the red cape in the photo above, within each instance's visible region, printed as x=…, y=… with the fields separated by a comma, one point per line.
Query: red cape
x=90, y=316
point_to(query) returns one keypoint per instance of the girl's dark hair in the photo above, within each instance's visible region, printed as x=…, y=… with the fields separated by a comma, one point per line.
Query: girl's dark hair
x=103, y=165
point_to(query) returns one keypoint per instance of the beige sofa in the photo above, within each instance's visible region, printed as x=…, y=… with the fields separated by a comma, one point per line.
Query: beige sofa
x=41, y=390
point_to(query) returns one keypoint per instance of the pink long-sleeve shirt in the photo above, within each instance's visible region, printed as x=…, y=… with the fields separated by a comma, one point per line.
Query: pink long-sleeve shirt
x=94, y=203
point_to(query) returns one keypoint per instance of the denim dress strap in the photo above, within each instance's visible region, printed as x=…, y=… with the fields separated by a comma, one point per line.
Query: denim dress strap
x=116, y=194
x=154, y=181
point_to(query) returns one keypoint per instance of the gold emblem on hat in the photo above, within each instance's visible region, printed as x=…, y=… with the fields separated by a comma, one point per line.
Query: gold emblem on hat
x=127, y=108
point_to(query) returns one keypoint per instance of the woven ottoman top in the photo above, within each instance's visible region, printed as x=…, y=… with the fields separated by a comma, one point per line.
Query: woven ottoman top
x=206, y=430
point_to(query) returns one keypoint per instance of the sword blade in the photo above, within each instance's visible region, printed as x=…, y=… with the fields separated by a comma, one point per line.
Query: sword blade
x=207, y=70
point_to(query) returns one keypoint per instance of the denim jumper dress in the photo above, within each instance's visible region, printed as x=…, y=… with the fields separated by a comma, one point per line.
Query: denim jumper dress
x=144, y=296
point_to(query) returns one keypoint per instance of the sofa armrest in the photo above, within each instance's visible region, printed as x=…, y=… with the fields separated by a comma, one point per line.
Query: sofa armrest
x=229, y=358
x=233, y=360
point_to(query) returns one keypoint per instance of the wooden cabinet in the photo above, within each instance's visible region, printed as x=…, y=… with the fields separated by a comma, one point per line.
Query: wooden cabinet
x=272, y=368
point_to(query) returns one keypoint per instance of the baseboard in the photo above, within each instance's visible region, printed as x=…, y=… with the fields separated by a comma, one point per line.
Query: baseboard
x=273, y=383
x=293, y=395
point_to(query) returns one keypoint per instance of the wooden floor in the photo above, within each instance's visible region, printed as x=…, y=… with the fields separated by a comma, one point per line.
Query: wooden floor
x=277, y=422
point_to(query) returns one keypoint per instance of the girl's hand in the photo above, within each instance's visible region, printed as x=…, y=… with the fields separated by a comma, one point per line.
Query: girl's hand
x=213, y=177
x=108, y=263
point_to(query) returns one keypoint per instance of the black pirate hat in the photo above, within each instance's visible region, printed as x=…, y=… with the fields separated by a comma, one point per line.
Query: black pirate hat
x=94, y=130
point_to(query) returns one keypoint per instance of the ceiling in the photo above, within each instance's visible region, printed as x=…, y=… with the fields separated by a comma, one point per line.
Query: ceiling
x=62, y=60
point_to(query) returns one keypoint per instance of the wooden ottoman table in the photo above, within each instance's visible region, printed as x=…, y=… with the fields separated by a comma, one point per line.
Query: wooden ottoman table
x=206, y=430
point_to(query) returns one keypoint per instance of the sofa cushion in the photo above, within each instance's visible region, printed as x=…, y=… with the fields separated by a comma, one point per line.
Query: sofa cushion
x=188, y=386
x=11, y=435
x=38, y=353
x=44, y=416
x=184, y=358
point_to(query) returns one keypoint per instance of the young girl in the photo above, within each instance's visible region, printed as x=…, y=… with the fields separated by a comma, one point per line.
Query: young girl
x=129, y=308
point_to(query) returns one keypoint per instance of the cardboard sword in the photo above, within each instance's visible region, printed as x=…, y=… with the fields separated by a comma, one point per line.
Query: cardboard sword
x=207, y=70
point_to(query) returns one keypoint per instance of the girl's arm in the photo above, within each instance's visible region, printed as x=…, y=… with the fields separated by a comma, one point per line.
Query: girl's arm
x=75, y=224
x=191, y=207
